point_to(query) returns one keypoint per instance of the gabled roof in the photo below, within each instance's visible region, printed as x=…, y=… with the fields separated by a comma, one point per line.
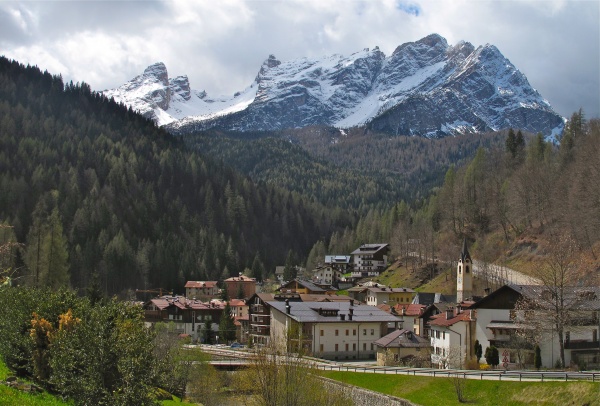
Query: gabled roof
x=370, y=248
x=402, y=339
x=201, y=284
x=305, y=284
x=182, y=303
x=412, y=309
x=305, y=312
x=426, y=298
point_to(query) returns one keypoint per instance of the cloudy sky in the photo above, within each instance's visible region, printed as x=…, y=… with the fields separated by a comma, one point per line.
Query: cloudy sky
x=220, y=44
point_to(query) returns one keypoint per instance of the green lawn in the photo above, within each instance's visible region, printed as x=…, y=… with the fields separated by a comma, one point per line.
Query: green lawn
x=441, y=391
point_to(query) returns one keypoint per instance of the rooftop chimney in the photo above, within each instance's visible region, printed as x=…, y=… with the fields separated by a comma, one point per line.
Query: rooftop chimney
x=351, y=314
x=487, y=291
x=287, y=306
x=342, y=317
x=449, y=313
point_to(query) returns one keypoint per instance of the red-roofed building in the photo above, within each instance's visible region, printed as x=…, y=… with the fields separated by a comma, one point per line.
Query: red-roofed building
x=188, y=316
x=409, y=313
x=452, y=335
x=240, y=287
x=201, y=290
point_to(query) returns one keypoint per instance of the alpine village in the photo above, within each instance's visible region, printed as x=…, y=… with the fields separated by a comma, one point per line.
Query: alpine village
x=264, y=258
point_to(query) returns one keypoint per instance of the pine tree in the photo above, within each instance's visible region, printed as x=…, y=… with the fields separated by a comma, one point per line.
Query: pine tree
x=227, y=325
x=55, y=271
x=511, y=143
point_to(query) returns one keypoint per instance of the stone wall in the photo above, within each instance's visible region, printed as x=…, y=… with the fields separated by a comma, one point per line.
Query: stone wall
x=365, y=397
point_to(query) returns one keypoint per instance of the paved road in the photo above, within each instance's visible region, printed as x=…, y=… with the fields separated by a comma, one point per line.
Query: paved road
x=502, y=275
x=241, y=358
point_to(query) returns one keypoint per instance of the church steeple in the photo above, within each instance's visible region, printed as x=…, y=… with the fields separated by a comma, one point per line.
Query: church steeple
x=464, y=275
x=464, y=254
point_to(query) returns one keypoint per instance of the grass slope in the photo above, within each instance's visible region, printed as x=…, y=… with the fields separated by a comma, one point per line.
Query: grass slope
x=440, y=391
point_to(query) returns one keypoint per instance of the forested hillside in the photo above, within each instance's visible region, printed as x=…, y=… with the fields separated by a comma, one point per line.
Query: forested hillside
x=91, y=187
x=354, y=170
x=513, y=203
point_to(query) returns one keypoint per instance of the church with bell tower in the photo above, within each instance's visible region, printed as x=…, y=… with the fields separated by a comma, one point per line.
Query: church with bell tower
x=464, y=275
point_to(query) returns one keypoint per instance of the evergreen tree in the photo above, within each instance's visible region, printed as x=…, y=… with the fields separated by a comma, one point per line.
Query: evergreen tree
x=537, y=357
x=208, y=333
x=478, y=350
x=257, y=270
x=55, y=272
x=511, y=143
x=227, y=326
x=289, y=271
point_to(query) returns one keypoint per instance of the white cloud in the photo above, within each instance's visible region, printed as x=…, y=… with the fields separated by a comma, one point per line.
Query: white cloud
x=220, y=45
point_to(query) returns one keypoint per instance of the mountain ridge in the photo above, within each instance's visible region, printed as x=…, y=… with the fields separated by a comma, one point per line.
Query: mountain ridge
x=426, y=88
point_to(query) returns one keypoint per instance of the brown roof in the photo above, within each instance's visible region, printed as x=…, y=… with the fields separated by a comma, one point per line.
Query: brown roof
x=442, y=321
x=183, y=303
x=237, y=302
x=410, y=309
x=201, y=284
x=402, y=339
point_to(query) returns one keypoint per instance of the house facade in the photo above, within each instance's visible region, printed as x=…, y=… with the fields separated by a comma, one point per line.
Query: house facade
x=240, y=287
x=376, y=296
x=501, y=325
x=188, y=316
x=329, y=330
x=201, y=290
x=370, y=260
x=452, y=335
x=403, y=347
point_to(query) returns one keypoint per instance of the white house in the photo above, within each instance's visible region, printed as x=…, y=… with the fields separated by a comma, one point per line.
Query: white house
x=452, y=337
x=498, y=322
x=370, y=260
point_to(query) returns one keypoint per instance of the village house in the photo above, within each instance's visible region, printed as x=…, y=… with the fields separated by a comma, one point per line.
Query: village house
x=240, y=287
x=326, y=276
x=329, y=330
x=452, y=335
x=201, y=290
x=410, y=315
x=187, y=315
x=370, y=260
x=403, y=347
x=375, y=296
x=260, y=311
x=498, y=325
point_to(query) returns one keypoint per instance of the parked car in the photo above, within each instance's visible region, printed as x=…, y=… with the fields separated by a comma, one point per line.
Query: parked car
x=236, y=345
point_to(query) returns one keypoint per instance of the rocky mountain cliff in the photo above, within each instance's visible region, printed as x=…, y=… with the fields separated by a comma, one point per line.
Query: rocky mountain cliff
x=426, y=88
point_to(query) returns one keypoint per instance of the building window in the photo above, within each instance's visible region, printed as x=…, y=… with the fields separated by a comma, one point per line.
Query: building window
x=371, y=346
x=346, y=346
x=364, y=346
x=347, y=332
x=321, y=348
x=372, y=331
x=321, y=333
x=437, y=334
x=354, y=332
x=336, y=332
x=443, y=335
x=336, y=347
x=364, y=331
x=354, y=347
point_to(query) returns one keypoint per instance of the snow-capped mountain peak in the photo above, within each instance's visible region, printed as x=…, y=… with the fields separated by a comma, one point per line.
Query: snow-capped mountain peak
x=426, y=87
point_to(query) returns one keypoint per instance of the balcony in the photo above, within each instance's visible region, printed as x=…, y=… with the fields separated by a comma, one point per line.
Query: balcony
x=581, y=345
x=257, y=308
